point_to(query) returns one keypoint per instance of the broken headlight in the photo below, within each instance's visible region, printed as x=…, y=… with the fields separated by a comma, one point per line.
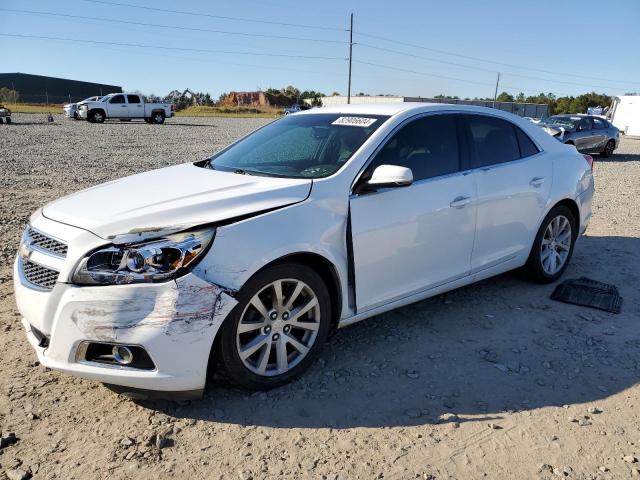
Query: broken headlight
x=150, y=261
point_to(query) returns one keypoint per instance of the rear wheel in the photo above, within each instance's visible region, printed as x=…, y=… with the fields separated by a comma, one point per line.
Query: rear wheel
x=553, y=246
x=8, y=119
x=1, y=120
x=277, y=329
x=157, y=118
x=608, y=149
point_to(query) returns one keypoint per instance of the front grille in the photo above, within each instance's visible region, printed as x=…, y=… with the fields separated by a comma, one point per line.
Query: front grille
x=39, y=275
x=43, y=242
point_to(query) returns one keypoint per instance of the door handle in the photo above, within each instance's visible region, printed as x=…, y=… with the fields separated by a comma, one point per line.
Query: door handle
x=459, y=202
x=124, y=106
x=536, y=182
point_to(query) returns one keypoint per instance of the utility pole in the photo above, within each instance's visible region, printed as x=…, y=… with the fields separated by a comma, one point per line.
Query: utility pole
x=350, y=53
x=495, y=95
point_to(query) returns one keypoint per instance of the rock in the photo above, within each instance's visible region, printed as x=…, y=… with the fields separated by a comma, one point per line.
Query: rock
x=594, y=410
x=545, y=467
x=17, y=474
x=603, y=469
x=32, y=416
x=127, y=442
x=8, y=439
x=501, y=367
x=494, y=426
x=546, y=364
x=448, y=417
x=583, y=422
x=630, y=459
x=540, y=382
x=413, y=413
x=130, y=455
x=162, y=442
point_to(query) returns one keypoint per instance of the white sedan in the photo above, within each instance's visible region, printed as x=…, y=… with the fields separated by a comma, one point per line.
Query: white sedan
x=242, y=263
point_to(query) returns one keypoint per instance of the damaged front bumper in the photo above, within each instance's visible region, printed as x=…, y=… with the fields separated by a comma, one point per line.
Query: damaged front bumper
x=175, y=322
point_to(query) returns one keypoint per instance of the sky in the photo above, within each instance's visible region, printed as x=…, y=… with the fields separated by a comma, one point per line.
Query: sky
x=410, y=48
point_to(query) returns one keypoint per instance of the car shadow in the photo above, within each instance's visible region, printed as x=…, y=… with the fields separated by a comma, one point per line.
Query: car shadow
x=617, y=157
x=466, y=356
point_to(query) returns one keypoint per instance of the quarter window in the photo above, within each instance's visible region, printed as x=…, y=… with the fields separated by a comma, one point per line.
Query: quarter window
x=428, y=146
x=117, y=99
x=133, y=99
x=527, y=147
x=494, y=140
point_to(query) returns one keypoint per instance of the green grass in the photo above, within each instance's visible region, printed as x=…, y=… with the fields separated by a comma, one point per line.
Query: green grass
x=242, y=112
x=28, y=108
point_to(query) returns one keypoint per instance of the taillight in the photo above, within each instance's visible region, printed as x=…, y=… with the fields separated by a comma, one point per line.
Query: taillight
x=589, y=160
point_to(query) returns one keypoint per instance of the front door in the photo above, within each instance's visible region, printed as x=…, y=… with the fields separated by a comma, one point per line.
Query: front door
x=584, y=136
x=412, y=238
x=117, y=107
x=514, y=181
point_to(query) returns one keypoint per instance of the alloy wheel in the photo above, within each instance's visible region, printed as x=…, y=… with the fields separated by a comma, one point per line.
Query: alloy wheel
x=609, y=148
x=556, y=245
x=278, y=327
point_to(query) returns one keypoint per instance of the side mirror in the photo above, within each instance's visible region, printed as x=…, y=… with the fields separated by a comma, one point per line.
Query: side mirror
x=386, y=176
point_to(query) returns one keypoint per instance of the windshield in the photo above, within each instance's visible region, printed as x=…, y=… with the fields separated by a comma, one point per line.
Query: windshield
x=569, y=122
x=299, y=146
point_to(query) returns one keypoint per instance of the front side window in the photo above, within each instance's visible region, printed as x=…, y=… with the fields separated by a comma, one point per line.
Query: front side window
x=585, y=124
x=428, y=146
x=117, y=99
x=493, y=139
x=299, y=146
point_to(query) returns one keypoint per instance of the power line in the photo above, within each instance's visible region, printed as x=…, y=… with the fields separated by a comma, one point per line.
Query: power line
x=164, y=47
x=208, y=15
x=469, y=57
x=431, y=59
x=175, y=27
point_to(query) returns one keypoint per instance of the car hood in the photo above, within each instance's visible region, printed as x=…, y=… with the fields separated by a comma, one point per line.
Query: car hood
x=173, y=199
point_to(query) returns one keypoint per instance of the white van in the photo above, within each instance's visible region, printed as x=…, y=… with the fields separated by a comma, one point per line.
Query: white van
x=624, y=113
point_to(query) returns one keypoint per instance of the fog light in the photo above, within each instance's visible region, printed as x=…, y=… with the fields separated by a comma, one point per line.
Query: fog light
x=122, y=354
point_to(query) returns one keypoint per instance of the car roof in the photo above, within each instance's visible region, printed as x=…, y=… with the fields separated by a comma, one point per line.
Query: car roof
x=394, y=108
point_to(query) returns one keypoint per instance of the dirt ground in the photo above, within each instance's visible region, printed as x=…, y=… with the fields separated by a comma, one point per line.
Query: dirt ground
x=492, y=381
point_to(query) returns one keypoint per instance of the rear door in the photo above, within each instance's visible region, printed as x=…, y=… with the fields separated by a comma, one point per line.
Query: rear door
x=135, y=106
x=117, y=107
x=599, y=134
x=412, y=238
x=514, y=181
x=584, y=136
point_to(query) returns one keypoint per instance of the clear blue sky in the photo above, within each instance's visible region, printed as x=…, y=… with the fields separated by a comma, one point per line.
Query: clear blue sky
x=570, y=46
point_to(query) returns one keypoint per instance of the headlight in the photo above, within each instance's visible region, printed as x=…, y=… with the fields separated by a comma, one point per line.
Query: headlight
x=151, y=261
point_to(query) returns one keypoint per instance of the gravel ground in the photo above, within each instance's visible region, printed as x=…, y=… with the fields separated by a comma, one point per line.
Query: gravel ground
x=489, y=381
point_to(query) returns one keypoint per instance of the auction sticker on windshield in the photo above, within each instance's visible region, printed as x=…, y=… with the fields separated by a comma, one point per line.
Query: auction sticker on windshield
x=355, y=121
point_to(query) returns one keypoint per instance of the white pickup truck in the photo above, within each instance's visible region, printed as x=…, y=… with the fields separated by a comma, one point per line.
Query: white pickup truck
x=125, y=106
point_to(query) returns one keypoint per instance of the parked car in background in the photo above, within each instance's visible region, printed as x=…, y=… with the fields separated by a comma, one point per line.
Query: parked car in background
x=588, y=133
x=296, y=109
x=70, y=110
x=125, y=106
x=242, y=263
x=5, y=115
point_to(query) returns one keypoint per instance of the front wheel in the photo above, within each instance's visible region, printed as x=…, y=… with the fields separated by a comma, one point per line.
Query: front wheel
x=608, y=149
x=553, y=246
x=277, y=328
x=96, y=116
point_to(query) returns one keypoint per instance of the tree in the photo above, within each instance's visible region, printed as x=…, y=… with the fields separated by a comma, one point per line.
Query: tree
x=8, y=96
x=505, y=97
x=520, y=98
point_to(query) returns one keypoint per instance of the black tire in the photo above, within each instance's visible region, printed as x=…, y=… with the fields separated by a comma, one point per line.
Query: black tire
x=1, y=120
x=608, y=149
x=76, y=116
x=96, y=116
x=8, y=120
x=227, y=359
x=534, y=269
x=157, y=118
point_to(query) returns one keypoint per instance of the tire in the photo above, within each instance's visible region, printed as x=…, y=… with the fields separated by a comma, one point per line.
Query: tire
x=264, y=367
x=96, y=116
x=157, y=118
x=8, y=120
x=76, y=116
x=608, y=149
x=541, y=266
x=1, y=120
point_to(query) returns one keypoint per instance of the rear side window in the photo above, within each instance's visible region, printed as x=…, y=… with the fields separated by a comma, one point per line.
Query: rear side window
x=117, y=99
x=599, y=123
x=527, y=147
x=133, y=98
x=428, y=146
x=494, y=140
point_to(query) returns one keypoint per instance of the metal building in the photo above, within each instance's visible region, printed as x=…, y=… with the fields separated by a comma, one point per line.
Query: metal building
x=533, y=110
x=40, y=89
